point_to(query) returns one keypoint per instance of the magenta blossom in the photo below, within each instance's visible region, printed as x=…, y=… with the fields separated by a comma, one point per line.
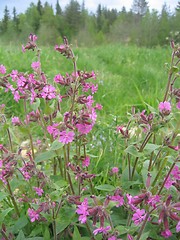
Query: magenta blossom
x=16, y=121
x=178, y=105
x=48, y=92
x=86, y=161
x=178, y=227
x=84, y=128
x=101, y=230
x=66, y=137
x=35, y=65
x=165, y=108
x=115, y=170
x=166, y=233
x=39, y=191
x=83, y=211
x=139, y=216
x=33, y=215
x=2, y=69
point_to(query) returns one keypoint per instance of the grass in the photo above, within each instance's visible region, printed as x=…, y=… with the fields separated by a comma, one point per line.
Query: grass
x=127, y=76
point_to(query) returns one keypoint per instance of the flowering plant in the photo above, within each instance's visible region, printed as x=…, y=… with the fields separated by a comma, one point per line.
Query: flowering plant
x=50, y=187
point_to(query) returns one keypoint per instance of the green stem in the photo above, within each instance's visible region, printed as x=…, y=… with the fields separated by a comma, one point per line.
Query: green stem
x=143, y=226
x=13, y=199
x=167, y=176
x=148, y=136
x=160, y=171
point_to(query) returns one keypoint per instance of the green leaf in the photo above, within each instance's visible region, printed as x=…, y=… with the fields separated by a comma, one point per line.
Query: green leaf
x=106, y=187
x=144, y=236
x=20, y=223
x=151, y=147
x=45, y=156
x=76, y=234
x=174, y=69
x=46, y=234
x=66, y=216
x=20, y=236
x=132, y=150
x=35, y=104
x=56, y=145
x=4, y=213
x=3, y=195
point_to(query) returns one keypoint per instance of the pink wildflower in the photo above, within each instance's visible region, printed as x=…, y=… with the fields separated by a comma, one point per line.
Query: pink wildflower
x=130, y=237
x=178, y=105
x=98, y=106
x=33, y=37
x=178, y=227
x=59, y=79
x=66, y=137
x=176, y=172
x=16, y=121
x=86, y=161
x=53, y=130
x=119, y=199
x=39, y=191
x=33, y=215
x=101, y=230
x=165, y=108
x=169, y=182
x=84, y=128
x=83, y=211
x=48, y=92
x=14, y=74
x=2, y=69
x=166, y=233
x=139, y=216
x=115, y=170
x=16, y=96
x=35, y=65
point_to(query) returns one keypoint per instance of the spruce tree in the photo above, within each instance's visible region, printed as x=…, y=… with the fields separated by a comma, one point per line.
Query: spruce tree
x=58, y=8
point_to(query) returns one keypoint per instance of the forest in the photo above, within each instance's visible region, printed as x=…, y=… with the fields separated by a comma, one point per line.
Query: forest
x=140, y=25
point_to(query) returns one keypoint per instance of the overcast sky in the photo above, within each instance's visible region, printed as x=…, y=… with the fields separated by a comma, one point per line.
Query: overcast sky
x=91, y=5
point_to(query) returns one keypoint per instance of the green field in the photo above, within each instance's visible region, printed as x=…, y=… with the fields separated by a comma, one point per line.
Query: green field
x=127, y=75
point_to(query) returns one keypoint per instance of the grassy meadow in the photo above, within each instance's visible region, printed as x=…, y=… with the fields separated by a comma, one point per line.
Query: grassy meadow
x=127, y=76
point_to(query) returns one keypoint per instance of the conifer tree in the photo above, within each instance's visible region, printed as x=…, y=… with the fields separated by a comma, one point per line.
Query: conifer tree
x=58, y=8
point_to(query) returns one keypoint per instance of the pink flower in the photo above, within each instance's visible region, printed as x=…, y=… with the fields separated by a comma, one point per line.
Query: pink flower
x=166, y=233
x=130, y=237
x=84, y=128
x=53, y=130
x=169, y=182
x=86, y=161
x=165, y=108
x=32, y=37
x=98, y=106
x=16, y=121
x=119, y=199
x=115, y=170
x=178, y=105
x=39, y=191
x=101, y=230
x=16, y=96
x=2, y=69
x=176, y=172
x=35, y=65
x=139, y=216
x=14, y=74
x=59, y=79
x=66, y=137
x=48, y=92
x=178, y=227
x=33, y=215
x=83, y=211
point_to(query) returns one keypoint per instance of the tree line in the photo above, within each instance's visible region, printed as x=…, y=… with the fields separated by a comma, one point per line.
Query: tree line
x=138, y=26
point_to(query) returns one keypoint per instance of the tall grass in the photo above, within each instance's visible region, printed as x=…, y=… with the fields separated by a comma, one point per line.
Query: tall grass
x=127, y=75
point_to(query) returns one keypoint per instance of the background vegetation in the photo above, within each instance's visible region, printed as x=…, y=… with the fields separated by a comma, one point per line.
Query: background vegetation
x=138, y=26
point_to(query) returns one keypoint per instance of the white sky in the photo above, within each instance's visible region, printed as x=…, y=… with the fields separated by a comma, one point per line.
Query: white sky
x=91, y=5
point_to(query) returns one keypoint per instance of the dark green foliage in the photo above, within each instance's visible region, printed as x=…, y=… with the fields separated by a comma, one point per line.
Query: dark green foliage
x=138, y=26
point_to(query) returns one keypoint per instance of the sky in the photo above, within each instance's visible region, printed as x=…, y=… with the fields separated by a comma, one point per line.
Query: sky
x=91, y=5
